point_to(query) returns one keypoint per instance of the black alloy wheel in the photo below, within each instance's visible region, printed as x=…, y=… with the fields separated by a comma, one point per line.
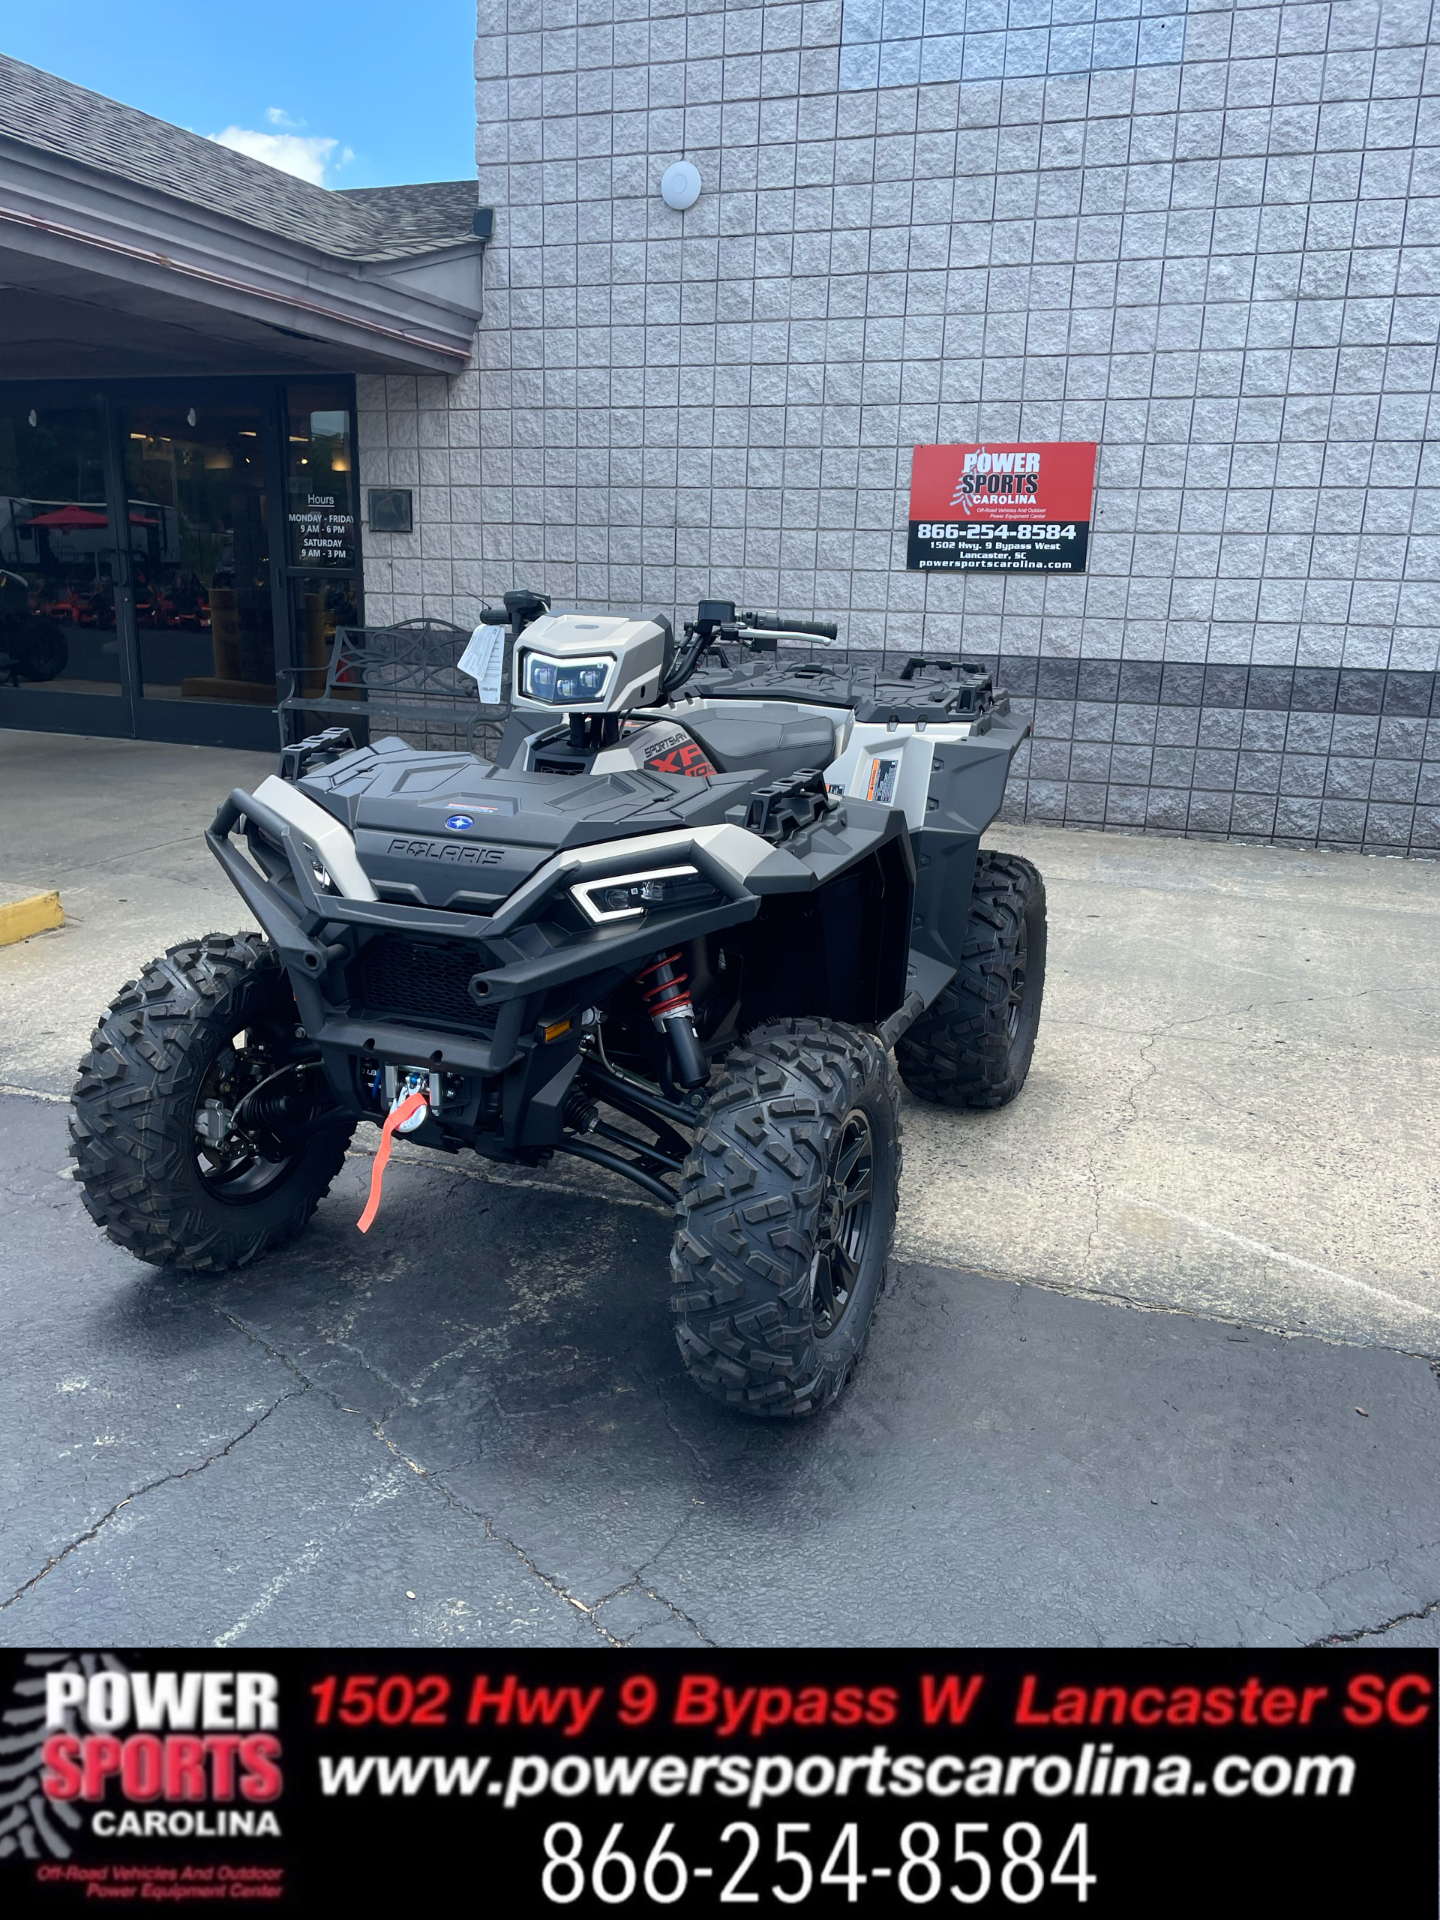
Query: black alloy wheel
x=236, y=1156
x=845, y=1225
x=1015, y=1004
x=787, y=1210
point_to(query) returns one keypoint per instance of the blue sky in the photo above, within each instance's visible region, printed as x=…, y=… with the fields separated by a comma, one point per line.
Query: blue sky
x=352, y=95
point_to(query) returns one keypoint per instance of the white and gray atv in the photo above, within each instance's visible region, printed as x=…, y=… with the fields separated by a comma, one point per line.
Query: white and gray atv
x=676, y=928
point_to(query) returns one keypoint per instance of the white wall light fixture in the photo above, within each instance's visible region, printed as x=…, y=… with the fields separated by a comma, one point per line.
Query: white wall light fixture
x=680, y=185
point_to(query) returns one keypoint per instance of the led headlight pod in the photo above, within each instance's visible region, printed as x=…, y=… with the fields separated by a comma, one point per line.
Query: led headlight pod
x=559, y=683
x=628, y=896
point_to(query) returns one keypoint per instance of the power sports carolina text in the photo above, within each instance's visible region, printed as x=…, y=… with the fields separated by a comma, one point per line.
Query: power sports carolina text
x=192, y=1738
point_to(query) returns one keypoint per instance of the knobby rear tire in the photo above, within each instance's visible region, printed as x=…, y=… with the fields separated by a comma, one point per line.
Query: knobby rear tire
x=972, y=1047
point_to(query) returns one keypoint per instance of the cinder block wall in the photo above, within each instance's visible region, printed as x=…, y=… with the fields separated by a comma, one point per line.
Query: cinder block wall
x=1222, y=263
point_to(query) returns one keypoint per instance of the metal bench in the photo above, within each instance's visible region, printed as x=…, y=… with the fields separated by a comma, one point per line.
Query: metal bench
x=403, y=677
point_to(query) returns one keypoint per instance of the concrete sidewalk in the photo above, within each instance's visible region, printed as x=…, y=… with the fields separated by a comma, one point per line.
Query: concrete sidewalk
x=117, y=826
x=1234, y=1108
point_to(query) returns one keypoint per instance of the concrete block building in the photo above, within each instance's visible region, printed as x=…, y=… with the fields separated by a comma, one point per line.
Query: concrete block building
x=1208, y=239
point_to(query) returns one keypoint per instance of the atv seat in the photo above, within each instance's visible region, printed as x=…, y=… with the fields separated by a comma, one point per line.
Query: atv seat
x=781, y=747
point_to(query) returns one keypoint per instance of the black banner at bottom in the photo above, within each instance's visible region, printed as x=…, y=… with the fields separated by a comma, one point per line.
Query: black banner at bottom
x=820, y=1782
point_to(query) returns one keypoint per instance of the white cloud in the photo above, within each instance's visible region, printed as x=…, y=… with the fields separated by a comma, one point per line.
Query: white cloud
x=304, y=155
x=278, y=117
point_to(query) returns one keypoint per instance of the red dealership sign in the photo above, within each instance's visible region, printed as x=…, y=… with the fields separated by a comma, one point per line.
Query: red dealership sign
x=1013, y=506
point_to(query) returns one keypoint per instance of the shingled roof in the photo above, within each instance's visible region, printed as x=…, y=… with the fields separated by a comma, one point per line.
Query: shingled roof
x=366, y=223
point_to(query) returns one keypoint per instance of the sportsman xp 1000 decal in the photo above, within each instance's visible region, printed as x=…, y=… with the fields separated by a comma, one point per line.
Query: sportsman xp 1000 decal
x=1015, y=507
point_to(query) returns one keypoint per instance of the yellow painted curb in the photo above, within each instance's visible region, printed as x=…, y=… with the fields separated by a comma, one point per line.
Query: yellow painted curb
x=22, y=918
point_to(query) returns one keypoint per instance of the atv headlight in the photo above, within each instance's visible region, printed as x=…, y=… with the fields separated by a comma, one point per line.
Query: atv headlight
x=628, y=896
x=559, y=683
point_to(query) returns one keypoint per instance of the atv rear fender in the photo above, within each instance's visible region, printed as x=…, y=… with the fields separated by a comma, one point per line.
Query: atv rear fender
x=967, y=788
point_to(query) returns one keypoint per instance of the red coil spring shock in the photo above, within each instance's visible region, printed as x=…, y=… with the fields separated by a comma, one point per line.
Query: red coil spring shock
x=668, y=992
x=667, y=1001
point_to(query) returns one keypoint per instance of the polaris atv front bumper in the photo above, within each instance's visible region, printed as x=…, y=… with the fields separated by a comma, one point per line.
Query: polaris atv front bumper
x=510, y=995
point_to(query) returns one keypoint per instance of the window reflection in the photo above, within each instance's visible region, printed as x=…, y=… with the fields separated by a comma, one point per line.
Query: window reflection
x=57, y=590
x=321, y=602
x=200, y=552
x=321, y=477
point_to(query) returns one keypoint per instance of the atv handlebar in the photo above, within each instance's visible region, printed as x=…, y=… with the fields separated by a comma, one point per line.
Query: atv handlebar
x=771, y=623
x=718, y=623
x=520, y=608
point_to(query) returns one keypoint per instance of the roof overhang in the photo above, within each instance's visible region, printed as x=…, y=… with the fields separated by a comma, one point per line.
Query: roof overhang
x=102, y=276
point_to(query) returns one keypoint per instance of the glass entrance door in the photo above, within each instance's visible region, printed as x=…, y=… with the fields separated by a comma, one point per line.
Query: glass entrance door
x=200, y=532
x=175, y=555
x=323, y=575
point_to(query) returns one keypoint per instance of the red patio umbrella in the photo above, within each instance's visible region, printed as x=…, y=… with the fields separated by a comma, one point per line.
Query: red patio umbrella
x=72, y=516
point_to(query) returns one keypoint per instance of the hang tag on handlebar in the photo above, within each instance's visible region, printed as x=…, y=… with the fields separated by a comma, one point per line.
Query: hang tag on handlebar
x=484, y=661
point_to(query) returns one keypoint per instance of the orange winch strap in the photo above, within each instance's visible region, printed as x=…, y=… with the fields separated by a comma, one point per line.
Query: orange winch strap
x=396, y=1117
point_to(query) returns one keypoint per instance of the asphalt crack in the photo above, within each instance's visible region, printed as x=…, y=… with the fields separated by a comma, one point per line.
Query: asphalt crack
x=1366, y=1633
x=685, y=1619
x=164, y=1479
x=638, y=1585
x=407, y=1398
x=428, y=1474
x=683, y=1439
x=1375, y=1566
x=1127, y=1118
x=555, y=1586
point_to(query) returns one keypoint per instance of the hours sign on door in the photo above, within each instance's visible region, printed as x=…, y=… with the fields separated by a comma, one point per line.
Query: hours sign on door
x=1002, y=507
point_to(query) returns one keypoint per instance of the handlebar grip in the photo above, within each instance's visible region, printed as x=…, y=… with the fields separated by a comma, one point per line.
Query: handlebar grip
x=822, y=629
x=494, y=617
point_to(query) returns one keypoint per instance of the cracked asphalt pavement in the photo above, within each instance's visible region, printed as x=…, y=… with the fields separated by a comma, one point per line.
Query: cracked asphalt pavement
x=476, y=1432
x=1157, y=1363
